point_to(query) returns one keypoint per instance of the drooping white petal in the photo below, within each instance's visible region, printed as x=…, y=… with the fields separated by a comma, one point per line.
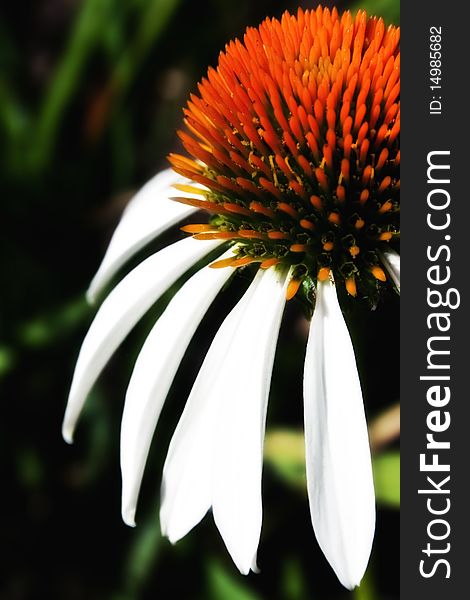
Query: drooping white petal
x=244, y=390
x=216, y=452
x=121, y=310
x=339, y=472
x=391, y=261
x=147, y=215
x=153, y=374
x=187, y=473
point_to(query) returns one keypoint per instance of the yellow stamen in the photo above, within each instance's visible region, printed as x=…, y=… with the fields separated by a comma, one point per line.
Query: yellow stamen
x=351, y=286
x=359, y=224
x=257, y=207
x=250, y=234
x=246, y=260
x=306, y=224
x=288, y=209
x=316, y=202
x=386, y=207
x=293, y=288
x=323, y=273
x=278, y=235
x=334, y=218
x=218, y=235
x=220, y=264
x=298, y=248
x=386, y=181
x=235, y=208
x=189, y=189
x=269, y=262
x=202, y=204
x=198, y=228
x=341, y=193
x=378, y=273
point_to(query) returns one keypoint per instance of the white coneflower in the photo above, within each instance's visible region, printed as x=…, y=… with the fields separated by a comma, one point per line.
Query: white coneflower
x=295, y=145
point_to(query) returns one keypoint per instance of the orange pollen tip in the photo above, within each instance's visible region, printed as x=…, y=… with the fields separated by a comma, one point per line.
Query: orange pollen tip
x=292, y=288
x=367, y=174
x=298, y=248
x=386, y=181
x=219, y=235
x=184, y=161
x=359, y=224
x=386, y=207
x=334, y=218
x=316, y=202
x=198, y=228
x=235, y=208
x=240, y=262
x=306, y=224
x=345, y=169
x=288, y=209
x=322, y=179
x=250, y=234
x=323, y=273
x=257, y=207
x=221, y=264
x=278, y=235
x=307, y=104
x=378, y=273
x=351, y=286
x=269, y=262
x=202, y=204
x=341, y=193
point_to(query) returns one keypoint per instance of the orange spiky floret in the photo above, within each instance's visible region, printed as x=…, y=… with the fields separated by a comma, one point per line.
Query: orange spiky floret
x=295, y=136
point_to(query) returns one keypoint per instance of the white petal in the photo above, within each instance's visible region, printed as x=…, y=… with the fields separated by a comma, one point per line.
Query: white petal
x=391, y=261
x=244, y=390
x=121, y=310
x=153, y=374
x=225, y=419
x=147, y=215
x=339, y=472
x=187, y=473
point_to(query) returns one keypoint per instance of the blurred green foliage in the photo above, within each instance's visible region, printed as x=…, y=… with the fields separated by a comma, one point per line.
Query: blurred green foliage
x=90, y=97
x=390, y=11
x=223, y=585
x=387, y=478
x=285, y=451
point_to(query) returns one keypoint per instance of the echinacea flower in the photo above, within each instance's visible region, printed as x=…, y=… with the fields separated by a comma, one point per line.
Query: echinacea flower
x=294, y=159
